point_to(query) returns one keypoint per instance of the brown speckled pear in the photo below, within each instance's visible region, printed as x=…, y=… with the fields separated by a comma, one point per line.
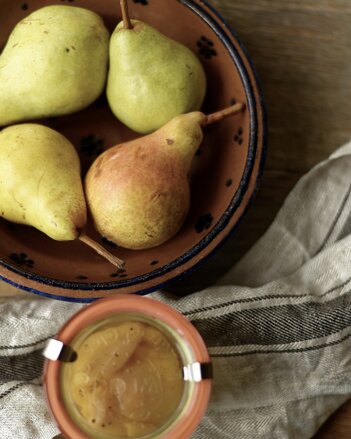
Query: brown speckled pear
x=138, y=192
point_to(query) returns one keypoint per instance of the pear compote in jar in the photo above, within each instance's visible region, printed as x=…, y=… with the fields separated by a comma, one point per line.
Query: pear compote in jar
x=127, y=379
x=138, y=370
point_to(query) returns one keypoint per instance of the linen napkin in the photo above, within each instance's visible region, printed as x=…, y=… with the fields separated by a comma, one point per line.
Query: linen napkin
x=278, y=326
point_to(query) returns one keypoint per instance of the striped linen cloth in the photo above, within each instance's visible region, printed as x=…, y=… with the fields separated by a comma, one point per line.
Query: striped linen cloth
x=278, y=326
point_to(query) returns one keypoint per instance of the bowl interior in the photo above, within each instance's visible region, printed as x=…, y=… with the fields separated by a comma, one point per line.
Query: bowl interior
x=218, y=168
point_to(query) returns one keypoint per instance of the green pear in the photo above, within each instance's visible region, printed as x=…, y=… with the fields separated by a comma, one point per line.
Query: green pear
x=54, y=63
x=138, y=192
x=41, y=186
x=152, y=78
x=40, y=182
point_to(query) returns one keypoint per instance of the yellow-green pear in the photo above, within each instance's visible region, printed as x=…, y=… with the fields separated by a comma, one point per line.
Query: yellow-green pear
x=152, y=78
x=54, y=63
x=40, y=182
x=41, y=186
x=138, y=192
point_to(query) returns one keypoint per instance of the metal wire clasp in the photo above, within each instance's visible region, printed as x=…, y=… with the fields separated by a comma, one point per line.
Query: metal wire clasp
x=56, y=350
x=196, y=372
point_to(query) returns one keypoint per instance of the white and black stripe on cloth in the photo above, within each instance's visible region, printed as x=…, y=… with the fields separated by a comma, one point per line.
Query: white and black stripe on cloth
x=265, y=327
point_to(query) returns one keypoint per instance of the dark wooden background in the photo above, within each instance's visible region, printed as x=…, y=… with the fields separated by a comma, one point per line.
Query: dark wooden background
x=302, y=52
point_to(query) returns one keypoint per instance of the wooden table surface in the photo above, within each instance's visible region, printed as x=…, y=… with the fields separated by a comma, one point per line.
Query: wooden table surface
x=302, y=52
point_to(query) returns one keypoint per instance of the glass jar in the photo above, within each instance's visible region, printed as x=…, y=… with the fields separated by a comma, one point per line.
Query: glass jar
x=127, y=367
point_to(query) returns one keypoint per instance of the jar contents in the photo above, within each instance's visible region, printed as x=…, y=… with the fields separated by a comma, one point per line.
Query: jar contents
x=126, y=381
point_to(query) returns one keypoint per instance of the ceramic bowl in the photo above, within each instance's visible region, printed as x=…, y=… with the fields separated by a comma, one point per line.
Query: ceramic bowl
x=225, y=173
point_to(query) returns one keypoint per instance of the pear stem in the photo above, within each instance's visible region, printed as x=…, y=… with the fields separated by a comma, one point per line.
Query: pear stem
x=102, y=251
x=220, y=115
x=125, y=14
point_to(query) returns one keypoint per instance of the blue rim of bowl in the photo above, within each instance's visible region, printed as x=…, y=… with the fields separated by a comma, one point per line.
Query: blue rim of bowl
x=225, y=218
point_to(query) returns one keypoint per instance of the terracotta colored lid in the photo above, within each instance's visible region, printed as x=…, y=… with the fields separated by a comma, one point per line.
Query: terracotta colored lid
x=196, y=406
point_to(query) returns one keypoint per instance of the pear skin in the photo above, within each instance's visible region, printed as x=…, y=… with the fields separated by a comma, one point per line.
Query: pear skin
x=152, y=78
x=54, y=63
x=138, y=192
x=40, y=182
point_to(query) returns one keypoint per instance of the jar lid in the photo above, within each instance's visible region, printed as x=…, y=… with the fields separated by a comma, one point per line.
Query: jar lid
x=196, y=370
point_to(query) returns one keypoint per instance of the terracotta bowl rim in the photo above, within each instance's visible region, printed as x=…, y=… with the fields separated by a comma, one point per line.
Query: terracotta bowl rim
x=219, y=28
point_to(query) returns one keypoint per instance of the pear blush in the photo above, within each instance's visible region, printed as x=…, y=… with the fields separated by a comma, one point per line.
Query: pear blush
x=127, y=367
